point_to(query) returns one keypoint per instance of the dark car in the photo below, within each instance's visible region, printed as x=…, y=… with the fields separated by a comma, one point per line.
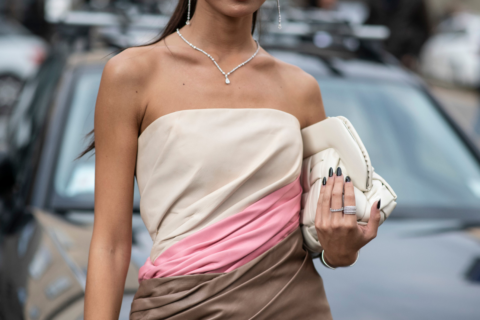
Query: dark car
x=47, y=199
x=425, y=261
x=422, y=264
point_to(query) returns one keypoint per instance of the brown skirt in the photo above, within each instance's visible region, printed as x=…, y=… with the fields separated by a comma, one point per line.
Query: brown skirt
x=282, y=283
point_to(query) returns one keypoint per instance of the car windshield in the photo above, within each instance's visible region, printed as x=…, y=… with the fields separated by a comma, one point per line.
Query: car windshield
x=410, y=143
x=75, y=179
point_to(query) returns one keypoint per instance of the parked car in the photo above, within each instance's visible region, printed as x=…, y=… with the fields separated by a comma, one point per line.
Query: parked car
x=425, y=261
x=453, y=55
x=419, y=267
x=21, y=53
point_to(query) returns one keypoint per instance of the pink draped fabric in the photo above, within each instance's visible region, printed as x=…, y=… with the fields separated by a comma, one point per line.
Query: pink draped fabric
x=234, y=241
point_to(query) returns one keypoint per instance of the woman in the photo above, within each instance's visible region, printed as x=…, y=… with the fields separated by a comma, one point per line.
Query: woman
x=218, y=168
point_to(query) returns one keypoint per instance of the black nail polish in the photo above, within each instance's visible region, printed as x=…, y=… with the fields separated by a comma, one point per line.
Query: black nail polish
x=324, y=181
x=339, y=171
x=378, y=204
x=330, y=172
x=347, y=179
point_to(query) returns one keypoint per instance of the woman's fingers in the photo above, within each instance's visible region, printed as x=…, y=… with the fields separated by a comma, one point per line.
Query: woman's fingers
x=374, y=221
x=318, y=215
x=327, y=196
x=340, y=234
x=337, y=197
x=349, y=200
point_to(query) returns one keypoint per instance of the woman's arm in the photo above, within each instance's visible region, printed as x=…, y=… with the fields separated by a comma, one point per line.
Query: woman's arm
x=340, y=234
x=117, y=119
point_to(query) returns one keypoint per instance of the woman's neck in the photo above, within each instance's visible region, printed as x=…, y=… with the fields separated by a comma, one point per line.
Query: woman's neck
x=216, y=33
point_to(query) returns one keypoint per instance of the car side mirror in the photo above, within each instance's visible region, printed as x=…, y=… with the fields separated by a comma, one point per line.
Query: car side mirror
x=7, y=174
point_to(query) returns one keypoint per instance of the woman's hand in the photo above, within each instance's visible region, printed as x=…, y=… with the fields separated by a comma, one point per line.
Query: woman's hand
x=340, y=234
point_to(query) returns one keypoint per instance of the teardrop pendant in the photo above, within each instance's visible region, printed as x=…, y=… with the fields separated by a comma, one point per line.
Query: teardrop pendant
x=227, y=81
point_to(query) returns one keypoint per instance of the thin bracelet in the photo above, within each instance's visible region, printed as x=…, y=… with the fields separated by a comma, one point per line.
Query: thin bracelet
x=333, y=268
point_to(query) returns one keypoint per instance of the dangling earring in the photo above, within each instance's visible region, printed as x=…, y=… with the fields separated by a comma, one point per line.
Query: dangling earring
x=279, y=15
x=188, y=13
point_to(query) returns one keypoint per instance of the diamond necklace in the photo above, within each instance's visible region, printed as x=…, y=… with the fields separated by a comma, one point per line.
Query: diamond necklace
x=227, y=81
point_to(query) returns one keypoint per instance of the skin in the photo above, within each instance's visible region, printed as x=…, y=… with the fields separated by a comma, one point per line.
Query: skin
x=326, y=4
x=340, y=234
x=142, y=84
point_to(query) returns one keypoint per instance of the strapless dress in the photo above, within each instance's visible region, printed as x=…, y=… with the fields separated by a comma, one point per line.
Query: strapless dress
x=220, y=194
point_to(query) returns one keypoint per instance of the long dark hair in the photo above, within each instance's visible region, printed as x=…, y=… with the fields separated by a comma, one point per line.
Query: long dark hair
x=177, y=20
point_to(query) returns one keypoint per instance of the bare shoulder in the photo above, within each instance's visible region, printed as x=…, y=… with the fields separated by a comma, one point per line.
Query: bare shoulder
x=135, y=67
x=125, y=80
x=122, y=95
x=130, y=66
x=303, y=91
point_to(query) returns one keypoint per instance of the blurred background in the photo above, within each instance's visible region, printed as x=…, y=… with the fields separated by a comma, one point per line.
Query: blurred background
x=405, y=72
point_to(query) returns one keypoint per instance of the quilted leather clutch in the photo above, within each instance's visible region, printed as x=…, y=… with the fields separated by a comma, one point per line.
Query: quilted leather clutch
x=334, y=143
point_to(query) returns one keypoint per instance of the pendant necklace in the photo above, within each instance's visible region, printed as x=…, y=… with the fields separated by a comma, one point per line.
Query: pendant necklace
x=227, y=81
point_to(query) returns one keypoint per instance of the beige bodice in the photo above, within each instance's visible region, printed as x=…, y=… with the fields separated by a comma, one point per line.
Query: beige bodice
x=198, y=166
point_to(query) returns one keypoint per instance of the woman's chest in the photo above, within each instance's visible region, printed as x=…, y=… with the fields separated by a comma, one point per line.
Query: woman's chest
x=218, y=146
x=203, y=89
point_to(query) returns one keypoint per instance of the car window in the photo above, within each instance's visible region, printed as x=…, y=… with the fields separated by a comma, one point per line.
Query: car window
x=28, y=117
x=409, y=142
x=74, y=180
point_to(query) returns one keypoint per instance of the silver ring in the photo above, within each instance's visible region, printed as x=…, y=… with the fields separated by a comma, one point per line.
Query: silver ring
x=336, y=210
x=350, y=210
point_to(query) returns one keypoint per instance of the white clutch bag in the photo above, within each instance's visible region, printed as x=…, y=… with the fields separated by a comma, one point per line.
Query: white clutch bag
x=334, y=143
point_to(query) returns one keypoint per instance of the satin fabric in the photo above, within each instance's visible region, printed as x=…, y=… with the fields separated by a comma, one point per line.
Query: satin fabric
x=199, y=166
x=200, y=173
x=282, y=284
x=233, y=241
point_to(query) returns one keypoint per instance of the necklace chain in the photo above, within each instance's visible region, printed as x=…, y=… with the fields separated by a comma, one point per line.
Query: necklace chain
x=227, y=81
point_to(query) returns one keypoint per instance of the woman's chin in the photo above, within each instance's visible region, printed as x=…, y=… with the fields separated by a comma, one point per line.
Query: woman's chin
x=236, y=8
